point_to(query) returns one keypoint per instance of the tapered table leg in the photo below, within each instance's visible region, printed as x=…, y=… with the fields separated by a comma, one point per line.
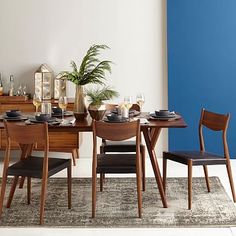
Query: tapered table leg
x=151, y=136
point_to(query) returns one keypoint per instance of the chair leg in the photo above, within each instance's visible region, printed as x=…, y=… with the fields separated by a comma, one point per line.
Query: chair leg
x=22, y=180
x=206, y=178
x=139, y=186
x=3, y=189
x=77, y=153
x=228, y=166
x=101, y=181
x=94, y=180
x=12, y=191
x=43, y=197
x=74, y=154
x=142, y=152
x=164, y=173
x=190, y=184
x=69, y=185
x=102, y=175
x=28, y=190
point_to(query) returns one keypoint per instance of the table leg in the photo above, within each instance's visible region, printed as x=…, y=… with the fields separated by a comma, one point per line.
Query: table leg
x=151, y=136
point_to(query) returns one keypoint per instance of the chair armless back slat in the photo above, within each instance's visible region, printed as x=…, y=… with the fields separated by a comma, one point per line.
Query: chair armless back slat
x=26, y=134
x=214, y=121
x=115, y=131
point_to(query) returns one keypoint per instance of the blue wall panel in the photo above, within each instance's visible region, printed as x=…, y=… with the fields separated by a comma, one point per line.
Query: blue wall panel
x=201, y=66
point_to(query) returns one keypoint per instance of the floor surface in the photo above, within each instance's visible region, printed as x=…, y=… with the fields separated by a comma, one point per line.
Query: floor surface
x=83, y=169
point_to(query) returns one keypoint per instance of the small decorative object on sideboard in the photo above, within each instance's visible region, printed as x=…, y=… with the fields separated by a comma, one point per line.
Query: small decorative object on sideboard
x=43, y=79
x=1, y=86
x=59, y=88
x=11, y=86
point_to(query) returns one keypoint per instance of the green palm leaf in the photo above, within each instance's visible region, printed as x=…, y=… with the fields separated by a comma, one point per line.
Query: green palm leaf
x=97, y=95
x=91, y=70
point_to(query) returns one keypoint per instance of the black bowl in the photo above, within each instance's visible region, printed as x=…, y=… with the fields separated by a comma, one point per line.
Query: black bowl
x=114, y=117
x=43, y=117
x=13, y=113
x=162, y=113
x=56, y=110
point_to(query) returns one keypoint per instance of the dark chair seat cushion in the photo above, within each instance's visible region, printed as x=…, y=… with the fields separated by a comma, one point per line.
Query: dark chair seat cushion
x=119, y=146
x=33, y=166
x=116, y=163
x=197, y=157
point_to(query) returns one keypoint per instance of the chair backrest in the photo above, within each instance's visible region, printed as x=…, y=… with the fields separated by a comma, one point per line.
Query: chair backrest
x=215, y=122
x=26, y=136
x=116, y=131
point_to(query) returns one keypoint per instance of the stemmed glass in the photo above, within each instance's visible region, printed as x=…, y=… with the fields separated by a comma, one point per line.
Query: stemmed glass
x=127, y=105
x=63, y=104
x=24, y=90
x=128, y=102
x=37, y=102
x=140, y=99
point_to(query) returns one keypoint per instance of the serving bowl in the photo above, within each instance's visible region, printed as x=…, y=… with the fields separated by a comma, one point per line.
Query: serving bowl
x=56, y=110
x=13, y=113
x=163, y=113
x=114, y=117
x=42, y=117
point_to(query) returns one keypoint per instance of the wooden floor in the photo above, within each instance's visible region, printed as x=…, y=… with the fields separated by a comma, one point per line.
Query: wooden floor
x=83, y=169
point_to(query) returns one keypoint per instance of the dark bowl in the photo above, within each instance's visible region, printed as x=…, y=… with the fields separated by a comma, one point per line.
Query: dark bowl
x=162, y=113
x=13, y=113
x=42, y=117
x=56, y=110
x=114, y=117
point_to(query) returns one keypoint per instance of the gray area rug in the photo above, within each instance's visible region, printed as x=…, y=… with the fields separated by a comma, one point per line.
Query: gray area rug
x=117, y=205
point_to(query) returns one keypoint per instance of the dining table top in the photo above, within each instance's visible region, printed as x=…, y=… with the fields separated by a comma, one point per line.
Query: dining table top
x=86, y=124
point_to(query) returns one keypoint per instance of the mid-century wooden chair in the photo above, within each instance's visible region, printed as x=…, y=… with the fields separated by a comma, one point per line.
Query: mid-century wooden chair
x=109, y=146
x=215, y=122
x=120, y=162
x=31, y=166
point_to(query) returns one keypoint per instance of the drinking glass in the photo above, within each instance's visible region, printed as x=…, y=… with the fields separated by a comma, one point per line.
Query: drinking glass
x=140, y=99
x=19, y=91
x=24, y=90
x=63, y=104
x=37, y=102
x=128, y=102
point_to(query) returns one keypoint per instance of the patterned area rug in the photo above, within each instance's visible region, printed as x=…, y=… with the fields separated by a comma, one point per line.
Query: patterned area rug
x=117, y=205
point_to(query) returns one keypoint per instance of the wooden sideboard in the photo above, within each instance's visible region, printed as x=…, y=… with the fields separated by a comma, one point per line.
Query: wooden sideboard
x=58, y=141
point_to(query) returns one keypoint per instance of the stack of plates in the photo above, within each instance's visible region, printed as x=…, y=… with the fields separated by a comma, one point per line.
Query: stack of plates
x=17, y=118
x=170, y=116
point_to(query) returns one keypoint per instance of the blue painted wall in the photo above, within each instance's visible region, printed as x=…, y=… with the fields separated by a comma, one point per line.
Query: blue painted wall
x=201, y=67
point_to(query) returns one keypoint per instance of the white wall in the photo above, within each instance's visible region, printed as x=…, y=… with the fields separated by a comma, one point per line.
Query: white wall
x=33, y=32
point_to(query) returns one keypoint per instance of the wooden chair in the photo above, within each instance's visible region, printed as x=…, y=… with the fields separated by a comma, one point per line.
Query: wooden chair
x=212, y=121
x=31, y=166
x=116, y=163
x=109, y=146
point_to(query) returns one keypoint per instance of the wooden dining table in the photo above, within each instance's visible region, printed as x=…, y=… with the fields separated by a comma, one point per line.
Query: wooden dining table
x=151, y=132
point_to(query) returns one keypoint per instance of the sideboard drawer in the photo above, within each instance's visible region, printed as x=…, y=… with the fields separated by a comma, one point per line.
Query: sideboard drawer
x=62, y=141
x=21, y=107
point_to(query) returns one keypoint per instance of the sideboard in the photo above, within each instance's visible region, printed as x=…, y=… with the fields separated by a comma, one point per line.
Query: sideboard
x=58, y=141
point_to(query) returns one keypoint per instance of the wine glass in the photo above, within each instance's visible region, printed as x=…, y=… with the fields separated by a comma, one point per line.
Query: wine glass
x=128, y=102
x=19, y=91
x=127, y=105
x=63, y=104
x=24, y=90
x=37, y=102
x=140, y=99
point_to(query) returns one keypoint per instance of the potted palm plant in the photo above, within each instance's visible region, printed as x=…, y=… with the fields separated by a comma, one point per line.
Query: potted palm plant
x=90, y=71
x=96, y=97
